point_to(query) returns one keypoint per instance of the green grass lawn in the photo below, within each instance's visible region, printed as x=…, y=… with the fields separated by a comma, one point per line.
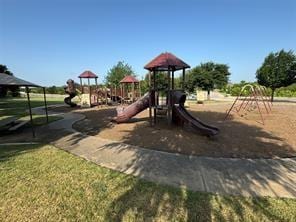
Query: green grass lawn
x=43, y=183
x=18, y=106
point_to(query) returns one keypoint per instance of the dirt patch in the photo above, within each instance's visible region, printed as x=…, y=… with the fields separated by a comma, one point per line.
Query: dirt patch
x=243, y=137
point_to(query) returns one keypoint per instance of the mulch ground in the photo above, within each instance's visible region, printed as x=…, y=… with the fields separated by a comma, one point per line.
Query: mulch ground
x=243, y=137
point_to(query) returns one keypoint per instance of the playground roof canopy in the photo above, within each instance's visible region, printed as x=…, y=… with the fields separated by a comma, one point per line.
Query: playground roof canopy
x=88, y=74
x=165, y=61
x=8, y=80
x=129, y=79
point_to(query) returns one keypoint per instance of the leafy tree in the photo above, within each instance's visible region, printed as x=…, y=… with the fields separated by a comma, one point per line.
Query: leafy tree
x=207, y=76
x=51, y=90
x=118, y=72
x=289, y=91
x=190, y=83
x=144, y=84
x=161, y=82
x=4, y=69
x=178, y=82
x=236, y=88
x=55, y=90
x=15, y=90
x=278, y=70
x=36, y=90
x=221, y=75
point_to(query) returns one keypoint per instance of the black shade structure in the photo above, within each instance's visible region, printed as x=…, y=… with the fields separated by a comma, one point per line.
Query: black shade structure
x=8, y=80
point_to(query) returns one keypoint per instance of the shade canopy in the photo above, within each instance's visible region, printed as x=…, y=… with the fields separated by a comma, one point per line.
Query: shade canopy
x=166, y=61
x=88, y=74
x=8, y=80
x=129, y=79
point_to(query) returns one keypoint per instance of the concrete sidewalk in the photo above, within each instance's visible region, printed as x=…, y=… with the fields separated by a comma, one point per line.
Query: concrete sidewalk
x=247, y=177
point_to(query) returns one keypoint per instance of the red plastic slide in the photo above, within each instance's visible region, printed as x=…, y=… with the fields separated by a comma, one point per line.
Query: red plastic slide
x=125, y=113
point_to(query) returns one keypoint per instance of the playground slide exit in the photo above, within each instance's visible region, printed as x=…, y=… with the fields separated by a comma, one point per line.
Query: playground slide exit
x=179, y=113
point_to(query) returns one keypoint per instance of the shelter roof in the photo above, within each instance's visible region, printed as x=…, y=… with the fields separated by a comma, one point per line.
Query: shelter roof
x=8, y=80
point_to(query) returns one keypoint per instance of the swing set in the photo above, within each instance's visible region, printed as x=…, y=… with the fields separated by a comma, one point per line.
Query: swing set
x=256, y=98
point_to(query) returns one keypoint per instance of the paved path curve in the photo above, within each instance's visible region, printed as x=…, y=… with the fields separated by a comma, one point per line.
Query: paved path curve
x=246, y=177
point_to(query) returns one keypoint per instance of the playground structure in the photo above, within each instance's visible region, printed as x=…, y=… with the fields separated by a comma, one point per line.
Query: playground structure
x=173, y=106
x=257, y=98
x=71, y=90
x=130, y=89
x=93, y=96
x=89, y=96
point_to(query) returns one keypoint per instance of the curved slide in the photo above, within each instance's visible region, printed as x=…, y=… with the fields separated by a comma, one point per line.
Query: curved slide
x=124, y=114
x=207, y=130
x=68, y=99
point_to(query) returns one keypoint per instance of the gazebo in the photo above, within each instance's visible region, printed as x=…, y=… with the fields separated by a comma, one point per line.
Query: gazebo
x=88, y=75
x=135, y=86
x=8, y=80
x=169, y=63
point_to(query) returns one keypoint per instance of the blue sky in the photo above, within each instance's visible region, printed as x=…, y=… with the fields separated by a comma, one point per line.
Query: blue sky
x=48, y=42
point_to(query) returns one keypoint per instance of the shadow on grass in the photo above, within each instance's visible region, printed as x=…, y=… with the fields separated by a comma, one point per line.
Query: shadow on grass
x=146, y=201
x=233, y=135
x=149, y=202
x=21, y=134
x=166, y=204
x=11, y=151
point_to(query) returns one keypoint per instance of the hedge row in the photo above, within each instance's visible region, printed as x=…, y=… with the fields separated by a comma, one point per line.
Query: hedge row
x=235, y=89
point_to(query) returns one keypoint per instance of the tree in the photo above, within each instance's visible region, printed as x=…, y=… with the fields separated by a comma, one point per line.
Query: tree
x=3, y=89
x=118, y=72
x=207, y=76
x=161, y=82
x=235, y=89
x=278, y=70
x=221, y=75
x=4, y=69
x=52, y=90
x=144, y=86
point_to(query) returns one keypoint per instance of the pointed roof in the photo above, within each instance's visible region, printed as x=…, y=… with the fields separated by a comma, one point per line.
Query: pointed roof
x=88, y=74
x=164, y=61
x=8, y=80
x=129, y=79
